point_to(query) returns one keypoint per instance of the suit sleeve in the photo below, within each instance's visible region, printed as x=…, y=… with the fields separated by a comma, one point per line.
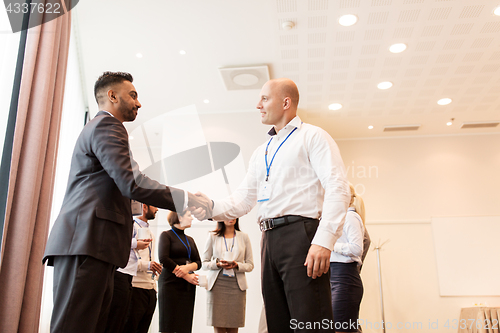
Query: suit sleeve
x=111, y=147
x=208, y=260
x=246, y=266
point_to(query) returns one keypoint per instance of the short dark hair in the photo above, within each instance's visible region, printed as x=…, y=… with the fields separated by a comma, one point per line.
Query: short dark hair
x=173, y=217
x=108, y=79
x=221, y=227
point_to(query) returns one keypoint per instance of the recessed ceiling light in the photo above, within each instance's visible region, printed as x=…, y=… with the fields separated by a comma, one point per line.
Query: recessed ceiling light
x=206, y=101
x=397, y=48
x=449, y=123
x=139, y=55
x=130, y=137
x=444, y=101
x=370, y=127
x=335, y=106
x=348, y=20
x=384, y=85
x=497, y=11
x=182, y=52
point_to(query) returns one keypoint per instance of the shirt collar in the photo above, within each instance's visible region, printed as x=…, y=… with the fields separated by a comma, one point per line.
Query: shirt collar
x=108, y=113
x=295, y=122
x=141, y=222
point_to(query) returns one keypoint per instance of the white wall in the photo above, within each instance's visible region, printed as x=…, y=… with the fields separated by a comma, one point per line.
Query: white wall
x=412, y=180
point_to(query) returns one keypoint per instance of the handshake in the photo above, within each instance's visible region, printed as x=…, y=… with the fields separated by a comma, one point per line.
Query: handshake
x=200, y=205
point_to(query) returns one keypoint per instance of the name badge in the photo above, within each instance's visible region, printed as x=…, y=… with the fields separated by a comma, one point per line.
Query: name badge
x=264, y=191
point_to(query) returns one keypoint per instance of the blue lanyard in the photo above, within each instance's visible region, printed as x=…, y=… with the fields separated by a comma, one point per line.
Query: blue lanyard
x=233, y=241
x=188, y=247
x=149, y=246
x=268, y=167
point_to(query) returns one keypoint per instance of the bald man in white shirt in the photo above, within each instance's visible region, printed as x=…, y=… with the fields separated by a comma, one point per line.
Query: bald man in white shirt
x=297, y=178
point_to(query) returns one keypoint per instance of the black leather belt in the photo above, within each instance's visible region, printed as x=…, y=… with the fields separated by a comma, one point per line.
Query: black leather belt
x=269, y=224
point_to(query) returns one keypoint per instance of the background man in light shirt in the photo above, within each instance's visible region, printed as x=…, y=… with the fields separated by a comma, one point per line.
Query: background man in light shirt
x=297, y=178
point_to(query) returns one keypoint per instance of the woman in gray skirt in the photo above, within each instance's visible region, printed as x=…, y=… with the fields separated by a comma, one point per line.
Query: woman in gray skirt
x=227, y=256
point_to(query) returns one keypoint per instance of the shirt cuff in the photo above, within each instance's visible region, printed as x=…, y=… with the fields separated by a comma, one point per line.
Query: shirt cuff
x=185, y=201
x=324, y=238
x=134, y=243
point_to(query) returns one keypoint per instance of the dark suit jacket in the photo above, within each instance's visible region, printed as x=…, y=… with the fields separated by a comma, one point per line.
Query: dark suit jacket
x=96, y=218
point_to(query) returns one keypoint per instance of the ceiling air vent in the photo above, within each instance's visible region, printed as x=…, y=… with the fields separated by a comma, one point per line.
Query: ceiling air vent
x=398, y=128
x=480, y=125
x=243, y=78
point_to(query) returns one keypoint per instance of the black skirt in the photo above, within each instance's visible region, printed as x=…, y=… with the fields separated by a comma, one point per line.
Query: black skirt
x=176, y=304
x=347, y=292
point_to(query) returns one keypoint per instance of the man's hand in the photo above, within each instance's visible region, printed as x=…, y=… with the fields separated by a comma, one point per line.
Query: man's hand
x=143, y=243
x=200, y=205
x=317, y=261
x=155, y=267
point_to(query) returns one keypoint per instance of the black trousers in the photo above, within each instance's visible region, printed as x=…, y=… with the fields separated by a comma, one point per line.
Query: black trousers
x=83, y=289
x=293, y=301
x=141, y=310
x=122, y=293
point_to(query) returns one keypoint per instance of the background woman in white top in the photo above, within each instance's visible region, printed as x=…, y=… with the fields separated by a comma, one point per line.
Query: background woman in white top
x=227, y=256
x=347, y=288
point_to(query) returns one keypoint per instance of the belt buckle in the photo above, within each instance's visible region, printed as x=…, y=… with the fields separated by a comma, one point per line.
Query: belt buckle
x=266, y=225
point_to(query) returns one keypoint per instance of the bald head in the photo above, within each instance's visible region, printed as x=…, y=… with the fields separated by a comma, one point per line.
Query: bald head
x=286, y=88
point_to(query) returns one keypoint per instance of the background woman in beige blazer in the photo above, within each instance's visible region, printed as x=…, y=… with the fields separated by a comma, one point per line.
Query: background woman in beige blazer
x=227, y=256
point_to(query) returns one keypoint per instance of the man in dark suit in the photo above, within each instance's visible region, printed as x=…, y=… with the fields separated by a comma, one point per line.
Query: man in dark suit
x=92, y=234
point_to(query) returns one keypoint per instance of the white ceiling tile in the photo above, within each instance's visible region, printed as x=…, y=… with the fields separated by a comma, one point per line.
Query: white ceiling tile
x=363, y=75
x=425, y=46
x=445, y=58
x=490, y=99
x=291, y=67
x=419, y=110
x=464, y=69
x=349, y=3
x=419, y=60
x=412, y=2
x=413, y=72
x=315, y=65
x=471, y=11
x=457, y=81
x=316, y=38
x=402, y=32
x=337, y=87
x=482, y=80
x=345, y=36
x=438, y=71
x=317, y=4
x=316, y=53
x=376, y=34
x=453, y=44
x=289, y=54
x=490, y=68
x=360, y=85
x=378, y=18
x=473, y=56
x=421, y=102
x=315, y=88
x=409, y=83
x=491, y=27
x=450, y=91
x=286, y=6
x=342, y=76
x=495, y=56
x=378, y=104
x=392, y=62
x=370, y=62
x=406, y=16
x=316, y=22
x=375, y=112
x=482, y=42
x=314, y=77
x=289, y=40
x=473, y=90
x=341, y=63
x=433, y=82
x=462, y=29
x=376, y=3
x=370, y=49
x=432, y=31
x=439, y=13
x=388, y=73
x=404, y=93
x=340, y=51
x=427, y=92
x=358, y=95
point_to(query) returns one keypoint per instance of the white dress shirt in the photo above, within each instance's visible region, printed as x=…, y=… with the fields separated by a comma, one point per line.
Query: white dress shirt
x=307, y=178
x=349, y=247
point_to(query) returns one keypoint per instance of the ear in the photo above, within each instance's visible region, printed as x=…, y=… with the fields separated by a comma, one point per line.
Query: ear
x=287, y=103
x=112, y=96
x=144, y=209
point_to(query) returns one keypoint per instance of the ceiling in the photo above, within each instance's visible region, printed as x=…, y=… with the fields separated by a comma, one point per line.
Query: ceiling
x=453, y=51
